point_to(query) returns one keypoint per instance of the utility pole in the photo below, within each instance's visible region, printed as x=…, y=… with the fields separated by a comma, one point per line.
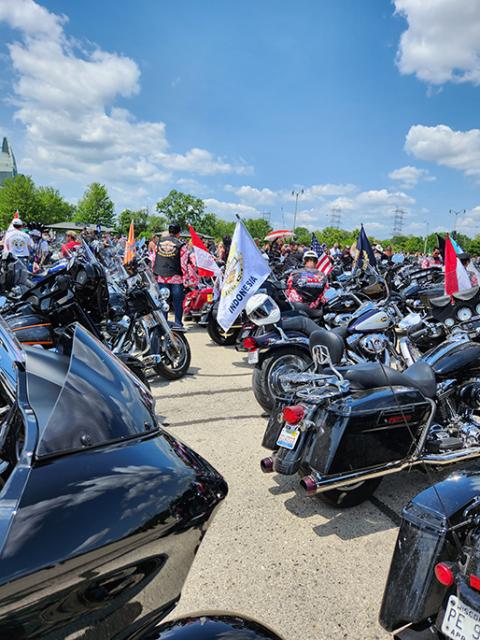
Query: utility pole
x=296, y=194
x=456, y=214
x=283, y=217
x=427, y=229
x=335, y=217
x=398, y=221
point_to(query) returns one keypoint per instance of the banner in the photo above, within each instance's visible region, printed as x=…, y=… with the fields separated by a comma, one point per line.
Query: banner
x=206, y=265
x=364, y=249
x=130, y=245
x=245, y=271
x=456, y=276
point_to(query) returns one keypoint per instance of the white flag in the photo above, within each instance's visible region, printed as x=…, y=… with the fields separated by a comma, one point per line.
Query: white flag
x=245, y=271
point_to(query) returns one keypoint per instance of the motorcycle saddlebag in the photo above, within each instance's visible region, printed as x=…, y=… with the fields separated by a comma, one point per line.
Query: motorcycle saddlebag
x=412, y=593
x=31, y=328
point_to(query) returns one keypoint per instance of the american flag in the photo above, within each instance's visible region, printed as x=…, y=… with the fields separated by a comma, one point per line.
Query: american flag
x=325, y=265
x=315, y=245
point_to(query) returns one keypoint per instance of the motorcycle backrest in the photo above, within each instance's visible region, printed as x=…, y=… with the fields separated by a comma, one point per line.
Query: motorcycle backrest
x=328, y=340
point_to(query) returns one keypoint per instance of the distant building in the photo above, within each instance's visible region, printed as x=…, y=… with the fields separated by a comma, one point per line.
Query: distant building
x=8, y=166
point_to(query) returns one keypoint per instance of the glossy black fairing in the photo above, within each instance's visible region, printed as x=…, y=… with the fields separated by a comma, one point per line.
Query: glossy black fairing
x=454, y=359
x=412, y=594
x=97, y=543
x=212, y=627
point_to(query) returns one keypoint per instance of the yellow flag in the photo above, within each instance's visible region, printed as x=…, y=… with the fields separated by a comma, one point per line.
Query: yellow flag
x=130, y=246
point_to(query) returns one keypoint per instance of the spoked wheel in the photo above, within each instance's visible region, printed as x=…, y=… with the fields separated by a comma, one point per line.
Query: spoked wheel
x=267, y=376
x=218, y=335
x=175, y=354
x=352, y=494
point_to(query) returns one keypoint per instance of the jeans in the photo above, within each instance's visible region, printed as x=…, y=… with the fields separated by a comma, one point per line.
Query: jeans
x=177, y=296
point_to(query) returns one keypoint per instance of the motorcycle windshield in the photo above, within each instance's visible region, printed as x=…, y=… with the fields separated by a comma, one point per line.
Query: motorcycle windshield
x=11, y=353
x=100, y=402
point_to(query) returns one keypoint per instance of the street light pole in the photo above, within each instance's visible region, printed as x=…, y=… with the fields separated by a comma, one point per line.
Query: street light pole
x=427, y=228
x=296, y=194
x=456, y=214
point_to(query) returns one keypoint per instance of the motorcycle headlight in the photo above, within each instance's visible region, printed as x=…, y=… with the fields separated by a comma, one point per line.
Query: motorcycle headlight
x=164, y=293
x=164, y=306
x=373, y=343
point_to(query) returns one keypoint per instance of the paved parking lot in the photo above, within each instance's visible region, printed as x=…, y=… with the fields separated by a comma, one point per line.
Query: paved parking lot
x=306, y=569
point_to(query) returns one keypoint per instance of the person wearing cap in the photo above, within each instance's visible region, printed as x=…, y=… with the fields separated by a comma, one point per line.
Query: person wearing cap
x=171, y=268
x=17, y=241
x=70, y=244
x=307, y=284
x=435, y=260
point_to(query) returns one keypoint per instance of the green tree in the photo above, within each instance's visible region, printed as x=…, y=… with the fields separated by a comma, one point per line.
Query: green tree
x=52, y=207
x=257, y=227
x=95, y=207
x=223, y=228
x=18, y=193
x=303, y=235
x=182, y=208
x=140, y=221
x=209, y=225
x=156, y=224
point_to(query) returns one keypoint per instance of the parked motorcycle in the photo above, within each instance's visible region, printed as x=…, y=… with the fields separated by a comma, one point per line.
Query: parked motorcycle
x=433, y=586
x=344, y=428
x=102, y=511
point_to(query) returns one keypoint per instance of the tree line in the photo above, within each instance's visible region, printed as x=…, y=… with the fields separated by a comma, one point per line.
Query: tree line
x=46, y=205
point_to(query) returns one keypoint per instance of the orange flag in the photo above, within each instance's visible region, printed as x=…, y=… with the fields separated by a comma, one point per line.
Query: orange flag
x=130, y=246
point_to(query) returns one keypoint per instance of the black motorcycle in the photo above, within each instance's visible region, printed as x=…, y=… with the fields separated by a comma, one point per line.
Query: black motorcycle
x=344, y=428
x=101, y=510
x=433, y=587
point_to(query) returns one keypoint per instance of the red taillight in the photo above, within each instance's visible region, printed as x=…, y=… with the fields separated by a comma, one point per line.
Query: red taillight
x=250, y=344
x=444, y=574
x=294, y=414
x=475, y=582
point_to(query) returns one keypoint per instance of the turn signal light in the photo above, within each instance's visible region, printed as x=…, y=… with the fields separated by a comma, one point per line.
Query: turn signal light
x=250, y=344
x=444, y=574
x=293, y=414
x=475, y=582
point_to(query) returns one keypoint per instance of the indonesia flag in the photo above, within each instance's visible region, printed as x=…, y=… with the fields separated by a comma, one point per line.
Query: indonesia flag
x=206, y=265
x=325, y=265
x=456, y=276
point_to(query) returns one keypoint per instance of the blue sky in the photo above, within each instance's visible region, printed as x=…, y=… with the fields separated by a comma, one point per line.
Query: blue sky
x=367, y=106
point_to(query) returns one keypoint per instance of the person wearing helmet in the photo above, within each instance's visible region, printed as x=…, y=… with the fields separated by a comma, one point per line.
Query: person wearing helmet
x=307, y=284
x=17, y=241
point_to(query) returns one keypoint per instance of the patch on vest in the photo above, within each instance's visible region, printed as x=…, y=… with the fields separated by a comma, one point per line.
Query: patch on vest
x=167, y=249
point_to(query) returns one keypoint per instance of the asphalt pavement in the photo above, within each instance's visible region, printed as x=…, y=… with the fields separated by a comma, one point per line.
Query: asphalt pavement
x=308, y=570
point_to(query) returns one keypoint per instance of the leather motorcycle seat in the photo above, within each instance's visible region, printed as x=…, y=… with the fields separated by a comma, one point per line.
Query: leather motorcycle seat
x=304, y=308
x=299, y=323
x=372, y=375
x=442, y=301
x=329, y=339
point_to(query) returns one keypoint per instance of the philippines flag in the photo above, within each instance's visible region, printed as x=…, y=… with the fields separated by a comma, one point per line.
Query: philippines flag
x=325, y=265
x=456, y=276
x=206, y=265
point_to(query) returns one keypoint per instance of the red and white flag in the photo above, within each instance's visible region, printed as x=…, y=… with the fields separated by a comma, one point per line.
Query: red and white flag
x=456, y=276
x=325, y=265
x=206, y=265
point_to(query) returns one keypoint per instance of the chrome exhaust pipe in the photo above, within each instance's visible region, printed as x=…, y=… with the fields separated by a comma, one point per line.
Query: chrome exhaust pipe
x=315, y=483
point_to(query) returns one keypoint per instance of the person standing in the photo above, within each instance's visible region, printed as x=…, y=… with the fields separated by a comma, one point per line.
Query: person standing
x=171, y=268
x=18, y=242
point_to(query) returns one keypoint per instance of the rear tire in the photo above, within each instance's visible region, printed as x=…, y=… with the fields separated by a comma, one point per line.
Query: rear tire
x=217, y=334
x=266, y=375
x=350, y=496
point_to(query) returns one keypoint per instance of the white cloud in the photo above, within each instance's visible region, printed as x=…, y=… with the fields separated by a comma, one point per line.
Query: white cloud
x=442, y=42
x=381, y=198
x=410, y=176
x=253, y=195
x=440, y=144
x=222, y=208
x=65, y=98
x=319, y=191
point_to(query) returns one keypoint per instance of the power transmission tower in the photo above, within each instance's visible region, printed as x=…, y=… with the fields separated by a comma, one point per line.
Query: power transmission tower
x=397, y=221
x=266, y=215
x=335, y=217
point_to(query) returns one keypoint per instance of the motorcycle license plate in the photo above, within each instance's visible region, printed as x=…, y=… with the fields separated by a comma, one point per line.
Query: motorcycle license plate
x=253, y=357
x=288, y=437
x=150, y=320
x=461, y=622
x=209, y=297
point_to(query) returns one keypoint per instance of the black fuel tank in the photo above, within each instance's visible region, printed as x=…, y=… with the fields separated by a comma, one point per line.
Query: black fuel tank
x=454, y=359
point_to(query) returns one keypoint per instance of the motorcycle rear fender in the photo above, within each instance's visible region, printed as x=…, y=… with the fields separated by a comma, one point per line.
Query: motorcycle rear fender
x=301, y=342
x=412, y=593
x=211, y=626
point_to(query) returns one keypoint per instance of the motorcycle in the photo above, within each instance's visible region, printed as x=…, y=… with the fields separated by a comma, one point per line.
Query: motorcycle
x=102, y=511
x=342, y=429
x=433, y=586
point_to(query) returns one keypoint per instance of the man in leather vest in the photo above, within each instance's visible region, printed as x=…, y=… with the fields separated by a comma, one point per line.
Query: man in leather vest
x=170, y=267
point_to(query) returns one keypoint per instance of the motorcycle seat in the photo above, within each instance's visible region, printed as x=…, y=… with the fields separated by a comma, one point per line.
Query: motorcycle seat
x=442, y=301
x=329, y=339
x=299, y=323
x=311, y=313
x=372, y=375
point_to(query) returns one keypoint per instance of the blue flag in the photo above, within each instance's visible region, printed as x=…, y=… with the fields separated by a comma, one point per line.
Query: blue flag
x=364, y=247
x=315, y=245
